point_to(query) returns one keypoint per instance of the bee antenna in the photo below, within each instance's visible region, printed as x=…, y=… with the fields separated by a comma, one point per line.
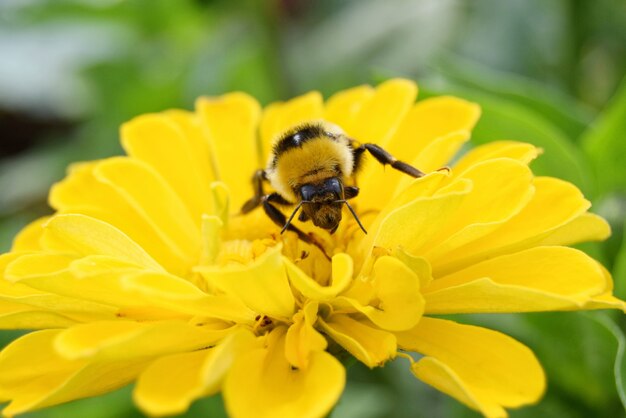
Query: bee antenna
x=353, y=214
x=291, y=217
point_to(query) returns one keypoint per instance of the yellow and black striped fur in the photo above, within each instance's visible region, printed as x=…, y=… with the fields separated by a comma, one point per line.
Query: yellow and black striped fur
x=312, y=167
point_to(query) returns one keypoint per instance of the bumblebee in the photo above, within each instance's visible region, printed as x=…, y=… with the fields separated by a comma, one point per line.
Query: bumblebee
x=313, y=168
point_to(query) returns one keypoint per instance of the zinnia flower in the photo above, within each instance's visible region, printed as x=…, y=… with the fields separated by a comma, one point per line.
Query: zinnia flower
x=148, y=272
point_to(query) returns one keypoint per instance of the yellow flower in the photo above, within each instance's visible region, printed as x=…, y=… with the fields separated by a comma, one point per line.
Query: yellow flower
x=147, y=272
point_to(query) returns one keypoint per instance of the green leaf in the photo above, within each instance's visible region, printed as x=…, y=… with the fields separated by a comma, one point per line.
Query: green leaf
x=620, y=364
x=559, y=109
x=362, y=400
x=577, y=353
x=578, y=356
x=207, y=407
x=7, y=336
x=605, y=144
x=619, y=267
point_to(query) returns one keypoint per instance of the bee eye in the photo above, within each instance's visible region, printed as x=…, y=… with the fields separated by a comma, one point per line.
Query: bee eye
x=307, y=191
x=333, y=185
x=296, y=138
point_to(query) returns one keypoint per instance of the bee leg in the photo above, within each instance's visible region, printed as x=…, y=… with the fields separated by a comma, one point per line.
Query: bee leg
x=384, y=157
x=257, y=184
x=276, y=198
x=280, y=219
x=350, y=192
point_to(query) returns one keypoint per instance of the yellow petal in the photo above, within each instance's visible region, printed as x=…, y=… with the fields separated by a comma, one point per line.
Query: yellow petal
x=262, y=384
x=399, y=304
x=439, y=151
x=443, y=378
x=343, y=107
x=161, y=286
x=605, y=301
x=485, y=369
x=302, y=339
x=429, y=120
x=44, y=273
x=369, y=345
x=487, y=296
x=586, y=227
x=35, y=348
x=389, y=183
x=412, y=225
x=170, y=384
x=554, y=204
x=342, y=269
x=519, y=151
x=262, y=285
x=221, y=195
x=19, y=379
x=201, y=147
x=419, y=188
x=501, y=189
x=379, y=117
x=435, y=155
x=19, y=316
x=279, y=117
x=81, y=192
x=33, y=376
x=33, y=307
x=104, y=287
x=6, y=259
x=217, y=365
x=211, y=228
x=376, y=122
x=109, y=281
x=28, y=238
x=360, y=291
x=34, y=312
x=180, y=157
x=34, y=265
x=179, y=295
x=147, y=191
x=124, y=340
x=418, y=265
x=91, y=265
x=429, y=135
x=230, y=123
x=561, y=271
x=88, y=236
x=88, y=381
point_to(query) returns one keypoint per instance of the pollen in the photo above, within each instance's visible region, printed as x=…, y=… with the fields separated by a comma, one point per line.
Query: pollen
x=242, y=251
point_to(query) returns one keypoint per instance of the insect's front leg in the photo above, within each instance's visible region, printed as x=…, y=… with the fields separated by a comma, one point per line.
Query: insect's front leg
x=257, y=184
x=280, y=219
x=385, y=157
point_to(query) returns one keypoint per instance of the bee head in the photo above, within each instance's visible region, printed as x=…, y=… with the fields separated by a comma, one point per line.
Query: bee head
x=322, y=202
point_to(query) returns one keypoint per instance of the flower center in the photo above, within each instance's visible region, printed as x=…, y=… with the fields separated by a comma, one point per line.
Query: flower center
x=263, y=325
x=242, y=251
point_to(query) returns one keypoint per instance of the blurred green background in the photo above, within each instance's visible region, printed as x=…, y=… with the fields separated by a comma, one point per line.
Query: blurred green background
x=550, y=72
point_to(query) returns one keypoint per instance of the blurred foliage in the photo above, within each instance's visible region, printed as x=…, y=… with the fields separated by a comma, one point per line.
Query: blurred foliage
x=547, y=72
